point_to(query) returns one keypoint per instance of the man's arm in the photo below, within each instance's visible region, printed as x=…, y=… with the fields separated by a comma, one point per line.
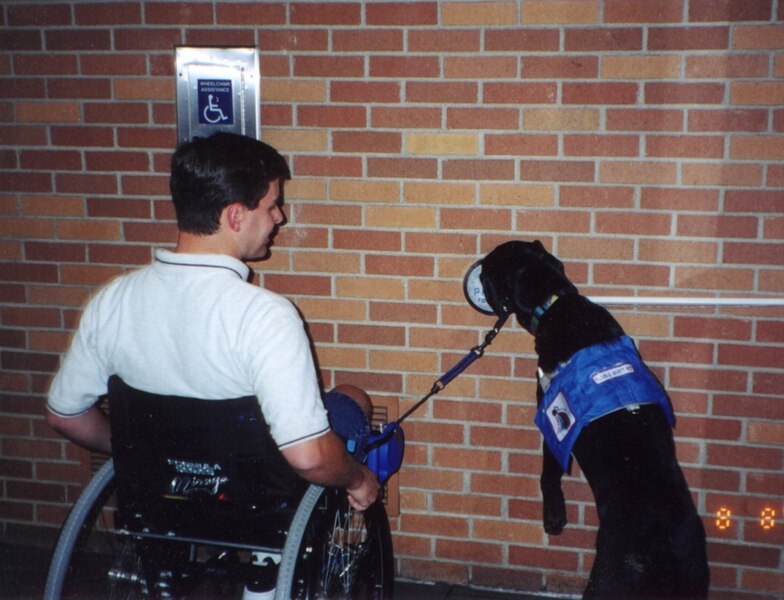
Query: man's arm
x=325, y=461
x=90, y=429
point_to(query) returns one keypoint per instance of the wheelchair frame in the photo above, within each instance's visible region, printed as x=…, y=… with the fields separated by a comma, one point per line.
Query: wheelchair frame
x=321, y=557
x=162, y=519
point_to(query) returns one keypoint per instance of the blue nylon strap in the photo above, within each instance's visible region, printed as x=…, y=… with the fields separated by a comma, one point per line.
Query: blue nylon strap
x=461, y=366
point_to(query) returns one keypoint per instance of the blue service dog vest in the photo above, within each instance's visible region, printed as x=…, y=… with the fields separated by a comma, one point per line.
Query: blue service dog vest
x=596, y=381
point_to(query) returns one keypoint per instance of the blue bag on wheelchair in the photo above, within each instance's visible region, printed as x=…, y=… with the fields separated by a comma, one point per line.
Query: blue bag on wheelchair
x=382, y=451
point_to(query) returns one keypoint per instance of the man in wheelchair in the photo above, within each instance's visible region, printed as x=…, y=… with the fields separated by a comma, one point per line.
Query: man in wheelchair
x=192, y=325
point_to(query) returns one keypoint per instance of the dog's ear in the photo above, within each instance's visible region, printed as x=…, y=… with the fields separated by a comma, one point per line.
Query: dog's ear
x=548, y=258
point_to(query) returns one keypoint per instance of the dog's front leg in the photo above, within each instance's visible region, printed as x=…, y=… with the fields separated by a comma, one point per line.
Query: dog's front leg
x=553, y=503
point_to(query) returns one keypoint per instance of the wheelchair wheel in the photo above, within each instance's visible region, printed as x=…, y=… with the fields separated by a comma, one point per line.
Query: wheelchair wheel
x=333, y=551
x=90, y=560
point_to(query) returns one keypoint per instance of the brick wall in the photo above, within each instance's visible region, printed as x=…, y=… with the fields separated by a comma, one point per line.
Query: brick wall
x=641, y=140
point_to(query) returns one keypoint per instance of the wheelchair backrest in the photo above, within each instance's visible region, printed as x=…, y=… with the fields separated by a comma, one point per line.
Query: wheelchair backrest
x=182, y=461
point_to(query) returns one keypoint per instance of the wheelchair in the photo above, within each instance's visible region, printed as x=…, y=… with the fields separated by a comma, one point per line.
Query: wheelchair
x=198, y=502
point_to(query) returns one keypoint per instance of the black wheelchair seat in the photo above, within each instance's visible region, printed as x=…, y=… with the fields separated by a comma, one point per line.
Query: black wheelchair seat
x=199, y=469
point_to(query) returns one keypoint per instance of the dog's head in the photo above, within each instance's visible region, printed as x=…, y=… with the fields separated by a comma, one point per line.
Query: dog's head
x=520, y=276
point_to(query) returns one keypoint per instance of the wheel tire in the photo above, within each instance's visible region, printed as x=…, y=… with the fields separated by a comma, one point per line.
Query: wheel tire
x=90, y=560
x=333, y=551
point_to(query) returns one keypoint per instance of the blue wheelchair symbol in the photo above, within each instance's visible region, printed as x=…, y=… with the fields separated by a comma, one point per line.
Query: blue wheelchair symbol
x=216, y=105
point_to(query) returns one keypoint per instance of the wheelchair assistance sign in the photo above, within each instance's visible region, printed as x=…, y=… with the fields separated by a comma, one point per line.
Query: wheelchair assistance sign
x=215, y=102
x=218, y=89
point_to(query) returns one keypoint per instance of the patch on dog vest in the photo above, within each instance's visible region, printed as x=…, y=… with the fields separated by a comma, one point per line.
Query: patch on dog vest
x=596, y=381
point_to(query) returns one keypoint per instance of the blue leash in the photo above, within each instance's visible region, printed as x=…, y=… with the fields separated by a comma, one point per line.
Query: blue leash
x=443, y=381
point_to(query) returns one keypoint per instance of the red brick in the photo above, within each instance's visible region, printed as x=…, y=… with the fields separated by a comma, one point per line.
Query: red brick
x=371, y=334
x=521, y=145
x=729, y=10
x=468, y=551
x=331, y=116
x=23, y=135
x=147, y=39
x=442, y=92
x=748, y=406
x=764, y=483
x=478, y=219
x=325, y=13
x=400, y=265
x=599, y=93
x=116, y=161
x=294, y=40
x=51, y=160
x=505, y=485
x=521, y=40
x=752, y=356
x=100, y=13
x=480, y=67
x=712, y=328
x=602, y=145
x=367, y=239
x=730, y=66
x=684, y=93
x=402, y=312
x=289, y=285
x=642, y=11
x=65, y=64
x=632, y=119
x=366, y=93
x=482, y=118
x=236, y=13
x=396, y=13
x=729, y=455
x=367, y=141
x=116, y=112
x=717, y=226
x=417, y=168
x=22, y=88
x=404, y=66
x=478, y=170
x=688, y=38
x=728, y=120
x=755, y=254
x=367, y=40
x=675, y=199
x=39, y=15
x=178, y=13
x=119, y=254
x=546, y=559
x=555, y=170
x=444, y=40
x=406, y=118
x=634, y=224
x=770, y=331
x=591, y=196
x=753, y=201
x=708, y=379
x=631, y=274
x=114, y=64
x=618, y=39
x=518, y=93
x=78, y=39
x=329, y=66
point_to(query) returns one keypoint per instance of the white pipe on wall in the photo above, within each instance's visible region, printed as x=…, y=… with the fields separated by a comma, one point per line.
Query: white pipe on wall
x=685, y=301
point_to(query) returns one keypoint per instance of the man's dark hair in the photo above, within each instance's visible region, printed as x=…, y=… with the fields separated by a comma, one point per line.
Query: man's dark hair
x=208, y=174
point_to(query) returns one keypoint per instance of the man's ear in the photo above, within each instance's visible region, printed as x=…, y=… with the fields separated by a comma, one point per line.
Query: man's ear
x=233, y=215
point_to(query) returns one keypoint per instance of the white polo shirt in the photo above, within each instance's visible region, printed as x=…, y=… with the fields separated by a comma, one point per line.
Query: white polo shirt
x=191, y=325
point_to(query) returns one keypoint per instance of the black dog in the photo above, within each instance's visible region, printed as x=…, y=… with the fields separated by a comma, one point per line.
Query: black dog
x=651, y=541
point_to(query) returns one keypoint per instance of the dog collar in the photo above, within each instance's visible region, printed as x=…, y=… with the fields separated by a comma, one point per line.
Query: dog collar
x=539, y=311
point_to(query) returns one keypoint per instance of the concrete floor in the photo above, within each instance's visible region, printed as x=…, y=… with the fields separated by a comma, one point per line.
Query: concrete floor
x=23, y=570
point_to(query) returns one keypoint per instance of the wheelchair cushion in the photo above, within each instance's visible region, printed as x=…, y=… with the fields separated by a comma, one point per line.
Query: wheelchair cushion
x=199, y=468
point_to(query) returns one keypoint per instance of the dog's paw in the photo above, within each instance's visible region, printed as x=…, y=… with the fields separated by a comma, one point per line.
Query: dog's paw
x=554, y=519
